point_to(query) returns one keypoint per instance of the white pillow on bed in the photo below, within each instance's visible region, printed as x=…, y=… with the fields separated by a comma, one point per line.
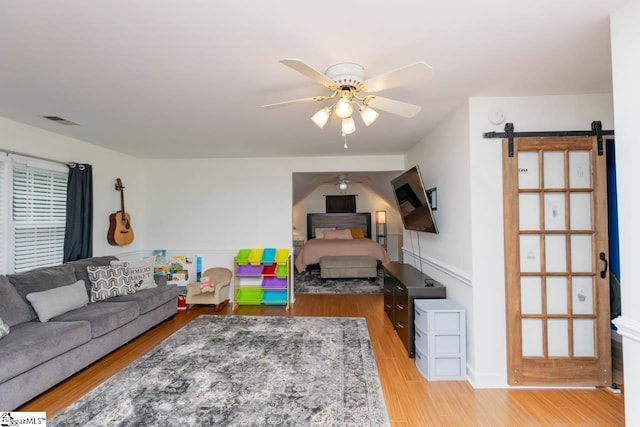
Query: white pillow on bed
x=338, y=234
x=320, y=232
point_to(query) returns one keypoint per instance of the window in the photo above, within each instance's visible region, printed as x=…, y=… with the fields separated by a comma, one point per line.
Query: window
x=36, y=213
x=4, y=212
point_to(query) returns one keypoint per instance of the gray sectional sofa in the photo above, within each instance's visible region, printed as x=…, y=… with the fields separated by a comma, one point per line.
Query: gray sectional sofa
x=35, y=356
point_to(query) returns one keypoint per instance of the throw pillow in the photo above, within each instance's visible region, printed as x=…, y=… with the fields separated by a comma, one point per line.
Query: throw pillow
x=107, y=282
x=338, y=234
x=320, y=232
x=140, y=273
x=357, y=233
x=57, y=301
x=4, y=329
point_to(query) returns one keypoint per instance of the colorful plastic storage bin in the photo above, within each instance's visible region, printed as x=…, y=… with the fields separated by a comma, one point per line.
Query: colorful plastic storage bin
x=255, y=257
x=269, y=270
x=253, y=282
x=249, y=296
x=268, y=255
x=243, y=256
x=281, y=271
x=274, y=297
x=248, y=270
x=281, y=256
x=274, y=283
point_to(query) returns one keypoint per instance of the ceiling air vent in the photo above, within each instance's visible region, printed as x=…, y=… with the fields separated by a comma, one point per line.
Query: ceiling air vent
x=60, y=120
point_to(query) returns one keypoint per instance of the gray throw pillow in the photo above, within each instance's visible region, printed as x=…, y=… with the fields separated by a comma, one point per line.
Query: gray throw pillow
x=57, y=301
x=13, y=309
x=4, y=329
x=108, y=282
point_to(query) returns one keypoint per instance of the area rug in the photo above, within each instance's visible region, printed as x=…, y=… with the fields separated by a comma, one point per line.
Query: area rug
x=311, y=283
x=244, y=371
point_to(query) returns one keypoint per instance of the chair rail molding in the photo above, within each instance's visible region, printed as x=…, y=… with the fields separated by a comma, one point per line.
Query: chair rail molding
x=447, y=269
x=629, y=328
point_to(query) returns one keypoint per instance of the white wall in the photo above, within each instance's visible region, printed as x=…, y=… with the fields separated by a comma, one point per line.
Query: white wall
x=468, y=254
x=107, y=166
x=574, y=112
x=367, y=200
x=213, y=207
x=625, y=39
x=443, y=159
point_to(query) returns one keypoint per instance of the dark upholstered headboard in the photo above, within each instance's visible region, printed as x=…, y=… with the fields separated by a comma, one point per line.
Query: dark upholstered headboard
x=339, y=221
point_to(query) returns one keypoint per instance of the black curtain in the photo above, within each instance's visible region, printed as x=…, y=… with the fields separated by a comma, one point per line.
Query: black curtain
x=78, y=234
x=341, y=204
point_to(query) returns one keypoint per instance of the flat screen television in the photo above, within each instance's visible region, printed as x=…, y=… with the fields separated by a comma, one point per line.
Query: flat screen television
x=413, y=203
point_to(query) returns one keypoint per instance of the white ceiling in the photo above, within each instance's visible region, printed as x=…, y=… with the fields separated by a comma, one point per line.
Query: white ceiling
x=185, y=79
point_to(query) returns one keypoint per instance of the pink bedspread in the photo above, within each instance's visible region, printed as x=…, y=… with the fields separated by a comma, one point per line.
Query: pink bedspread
x=314, y=249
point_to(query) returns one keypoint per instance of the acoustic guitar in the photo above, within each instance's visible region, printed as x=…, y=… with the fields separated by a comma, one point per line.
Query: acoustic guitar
x=120, y=232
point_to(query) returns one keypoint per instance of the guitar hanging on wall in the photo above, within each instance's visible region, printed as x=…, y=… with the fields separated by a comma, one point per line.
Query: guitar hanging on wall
x=120, y=232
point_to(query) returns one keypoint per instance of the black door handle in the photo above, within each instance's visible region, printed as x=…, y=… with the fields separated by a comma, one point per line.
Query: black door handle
x=603, y=257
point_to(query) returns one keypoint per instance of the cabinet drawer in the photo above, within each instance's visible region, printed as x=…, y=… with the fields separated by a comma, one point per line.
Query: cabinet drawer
x=402, y=312
x=446, y=344
x=421, y=340
x=422, y=362
x=402, y=328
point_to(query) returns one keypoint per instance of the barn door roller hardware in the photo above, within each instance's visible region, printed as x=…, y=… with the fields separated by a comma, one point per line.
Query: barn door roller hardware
x=596, y=130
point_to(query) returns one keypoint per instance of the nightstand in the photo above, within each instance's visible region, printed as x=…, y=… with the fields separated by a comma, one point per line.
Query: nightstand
x=297, y=245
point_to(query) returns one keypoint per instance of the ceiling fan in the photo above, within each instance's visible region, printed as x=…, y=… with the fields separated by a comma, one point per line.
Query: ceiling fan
x=349, y=89
x=342, y=182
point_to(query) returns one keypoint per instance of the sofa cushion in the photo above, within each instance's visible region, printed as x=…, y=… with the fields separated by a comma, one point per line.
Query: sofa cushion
x=57, y=301
x=140, y=273
x=80, y=268
x=42, y=279
x=149, y=299
x=4, y=328
x=32, y=343
x=108, y=282
x=103, y=317
x=13, y=309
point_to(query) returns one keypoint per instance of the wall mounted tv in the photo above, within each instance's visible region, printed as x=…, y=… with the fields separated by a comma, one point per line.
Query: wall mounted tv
x=413, y=203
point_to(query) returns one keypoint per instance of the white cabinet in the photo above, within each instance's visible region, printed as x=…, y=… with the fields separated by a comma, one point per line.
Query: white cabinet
x=440, y=339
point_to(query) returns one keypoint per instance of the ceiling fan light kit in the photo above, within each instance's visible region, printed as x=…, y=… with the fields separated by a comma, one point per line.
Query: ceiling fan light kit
x=344, y=108
x=346, y=81
x=321, y=117
x=368, y=114
x=348, y=126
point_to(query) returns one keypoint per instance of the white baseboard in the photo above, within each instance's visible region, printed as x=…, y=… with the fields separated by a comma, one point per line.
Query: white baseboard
x=486, y=380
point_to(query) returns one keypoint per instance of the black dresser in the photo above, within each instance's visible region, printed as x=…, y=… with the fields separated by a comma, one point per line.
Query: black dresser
x=402, y=284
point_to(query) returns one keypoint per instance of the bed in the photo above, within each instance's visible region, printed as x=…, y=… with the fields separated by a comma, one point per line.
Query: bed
x=317, y=247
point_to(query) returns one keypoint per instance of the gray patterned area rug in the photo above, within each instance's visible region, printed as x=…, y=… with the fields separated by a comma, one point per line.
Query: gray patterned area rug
x=244, y=371
x=311, y=283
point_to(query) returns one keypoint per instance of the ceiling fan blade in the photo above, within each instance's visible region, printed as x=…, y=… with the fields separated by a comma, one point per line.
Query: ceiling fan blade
x=417, y=72
x=308, y=71
x=395, y=107
x=296, y=101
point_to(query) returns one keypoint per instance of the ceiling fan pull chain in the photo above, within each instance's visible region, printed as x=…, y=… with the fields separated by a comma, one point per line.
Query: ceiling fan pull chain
x=345, y=141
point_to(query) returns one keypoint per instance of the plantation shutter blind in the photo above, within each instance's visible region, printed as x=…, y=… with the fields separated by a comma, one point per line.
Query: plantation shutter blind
x=39, y=194
x=4, y=212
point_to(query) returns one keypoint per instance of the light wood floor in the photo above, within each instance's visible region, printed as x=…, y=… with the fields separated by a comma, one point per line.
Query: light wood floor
x=411, y=399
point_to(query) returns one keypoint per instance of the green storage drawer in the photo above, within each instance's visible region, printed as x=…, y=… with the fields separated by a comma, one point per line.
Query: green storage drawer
x=243, y=256
x=249, y=296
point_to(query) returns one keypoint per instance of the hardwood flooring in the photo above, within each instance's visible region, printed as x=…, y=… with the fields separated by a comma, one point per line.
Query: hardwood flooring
x=411, y=399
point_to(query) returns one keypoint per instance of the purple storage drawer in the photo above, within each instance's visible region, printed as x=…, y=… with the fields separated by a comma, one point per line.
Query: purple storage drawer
x=274, y=283
x=249, y=270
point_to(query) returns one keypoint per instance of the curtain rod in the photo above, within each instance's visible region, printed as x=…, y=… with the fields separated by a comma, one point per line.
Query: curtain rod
x=72, y=164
